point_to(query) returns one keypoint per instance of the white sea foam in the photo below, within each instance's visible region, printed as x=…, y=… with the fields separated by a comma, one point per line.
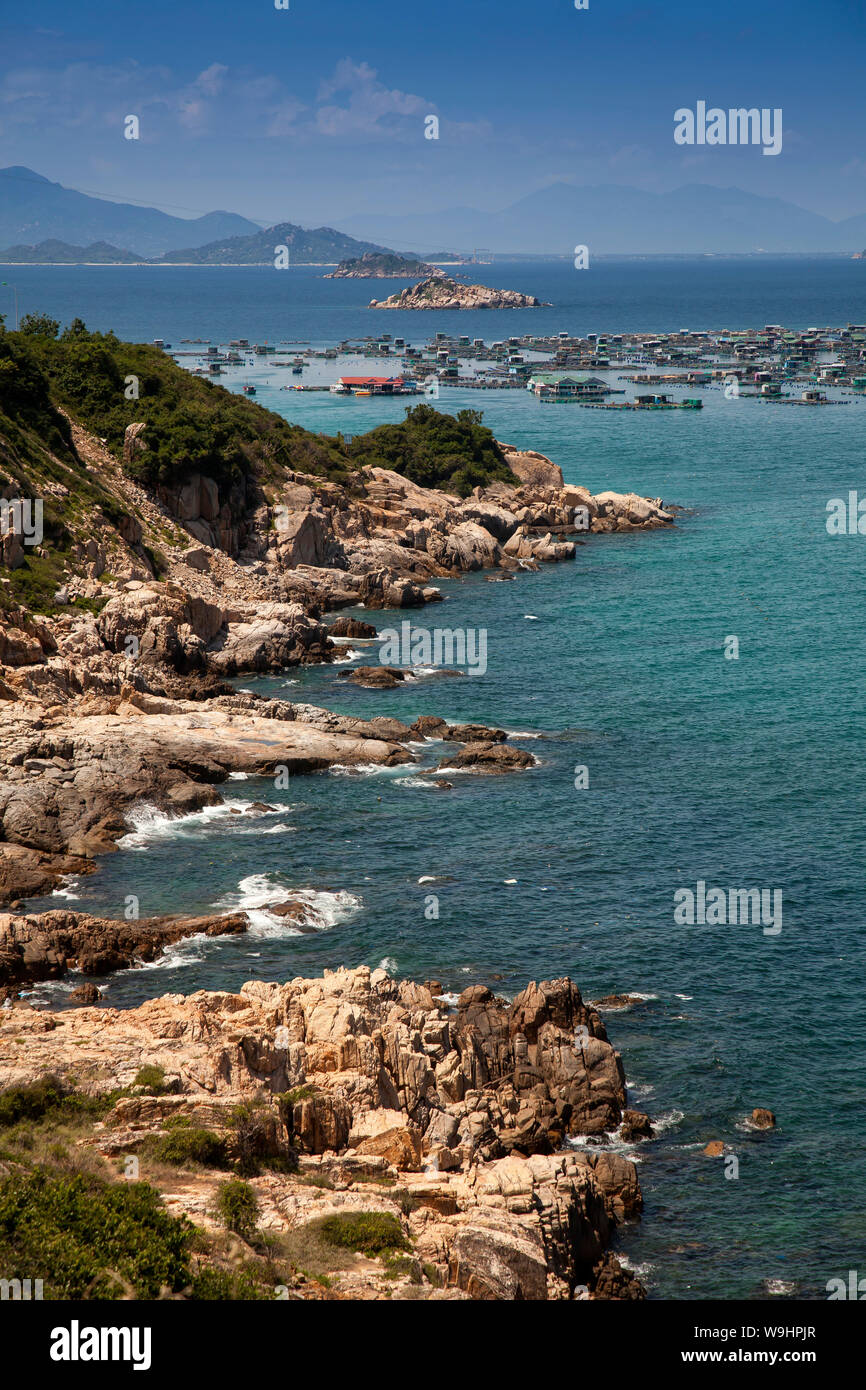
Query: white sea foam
x=239, y=776
x=612, y=1143
x=362, y=769
x=149, y=825
x=633, y=1267
x=351, y=655
x=780, y=1286
x=667, y=1121
x=448, y=999
x=257, y=892
x=388, y=963
x=66, y=888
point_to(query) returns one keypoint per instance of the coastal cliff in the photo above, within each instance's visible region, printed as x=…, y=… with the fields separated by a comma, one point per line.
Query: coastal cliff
x=443, y=292
x=350, y=1104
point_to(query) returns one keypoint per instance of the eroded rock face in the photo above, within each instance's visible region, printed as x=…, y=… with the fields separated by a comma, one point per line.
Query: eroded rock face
x=468, y=1107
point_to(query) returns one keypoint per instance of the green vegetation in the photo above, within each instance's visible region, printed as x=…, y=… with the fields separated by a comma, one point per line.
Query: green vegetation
x=152, y=1078
x=211, y=1283
x=88, y=1238
x=372, y=1232
x=38, y=456
x=183, y=1143
x=193, y=426
x=383, y=263
x=435, y=450
x=50, y=1099
x=237, y=1207
x=401, y=1266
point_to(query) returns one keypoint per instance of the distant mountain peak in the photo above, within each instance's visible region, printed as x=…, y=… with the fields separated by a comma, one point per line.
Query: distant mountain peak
x=20, y=171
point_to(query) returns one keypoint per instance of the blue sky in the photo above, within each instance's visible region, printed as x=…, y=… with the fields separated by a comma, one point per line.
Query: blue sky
x=317, y=113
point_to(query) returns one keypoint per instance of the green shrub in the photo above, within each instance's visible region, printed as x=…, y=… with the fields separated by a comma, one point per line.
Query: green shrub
x=183, y=1143
x=50, y=1098
x=152, y=1077
x=371, y=1232
x=435, y=450
x=237, y=1207
x=399, y=1266
x=88, y=1238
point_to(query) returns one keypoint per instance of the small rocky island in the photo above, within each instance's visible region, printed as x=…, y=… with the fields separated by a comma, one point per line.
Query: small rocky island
x=443, y=292
x=383, y=265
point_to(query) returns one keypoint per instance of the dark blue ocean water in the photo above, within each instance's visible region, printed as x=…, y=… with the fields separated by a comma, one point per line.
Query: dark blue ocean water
x=614, y=295
x=742, y=773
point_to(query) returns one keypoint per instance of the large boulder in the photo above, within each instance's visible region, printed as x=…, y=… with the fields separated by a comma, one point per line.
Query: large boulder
x=531, y=467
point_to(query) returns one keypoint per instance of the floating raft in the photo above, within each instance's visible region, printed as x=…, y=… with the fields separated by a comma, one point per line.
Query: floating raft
x=633, y=405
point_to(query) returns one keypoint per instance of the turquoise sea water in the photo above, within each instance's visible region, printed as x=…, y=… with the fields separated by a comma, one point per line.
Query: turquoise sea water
x=742, y=773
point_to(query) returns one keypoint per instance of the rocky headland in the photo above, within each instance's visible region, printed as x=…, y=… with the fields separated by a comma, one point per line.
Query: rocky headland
x=365, y=1096
x=131, y=702
x=154, y=584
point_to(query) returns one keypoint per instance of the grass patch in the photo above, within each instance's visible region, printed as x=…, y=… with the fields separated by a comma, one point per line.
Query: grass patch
x=212, y=1284
x=183, y=1144
x=34, y=1117
x=402, y=1267
x=370, y=1232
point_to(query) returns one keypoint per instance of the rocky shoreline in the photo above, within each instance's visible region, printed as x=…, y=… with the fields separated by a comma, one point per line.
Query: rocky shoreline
x=132, y=704
x=363, y=1094
x=469, y=1107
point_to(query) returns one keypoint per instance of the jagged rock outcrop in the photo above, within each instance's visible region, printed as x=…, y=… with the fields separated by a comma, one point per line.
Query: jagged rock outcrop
x=467, y=1107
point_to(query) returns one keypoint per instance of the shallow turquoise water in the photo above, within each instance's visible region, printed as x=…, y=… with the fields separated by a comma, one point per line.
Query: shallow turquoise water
x=742, y=773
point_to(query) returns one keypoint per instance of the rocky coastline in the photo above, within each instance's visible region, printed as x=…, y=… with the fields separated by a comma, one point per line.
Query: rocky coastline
x=102, y=710
x=467, y=1107
x=370, y=1097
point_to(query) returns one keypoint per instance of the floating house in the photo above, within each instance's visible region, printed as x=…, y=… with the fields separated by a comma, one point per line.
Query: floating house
x=373, y=386
x=548, y=386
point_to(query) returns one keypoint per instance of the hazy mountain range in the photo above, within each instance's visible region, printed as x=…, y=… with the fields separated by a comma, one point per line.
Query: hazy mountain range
x=613, y=219
x=33, y=209
x=608, y=218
